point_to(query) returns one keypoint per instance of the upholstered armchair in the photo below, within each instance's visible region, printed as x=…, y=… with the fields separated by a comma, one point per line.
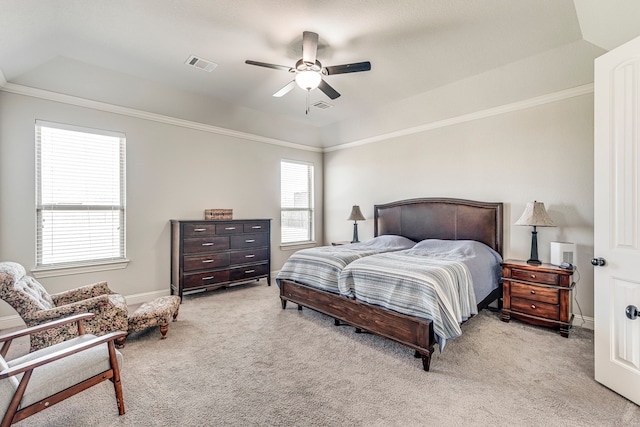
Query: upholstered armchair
x=38, y=380
x=36, y=306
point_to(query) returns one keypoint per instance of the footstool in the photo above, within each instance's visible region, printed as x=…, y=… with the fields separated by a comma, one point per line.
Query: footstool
x=155, y=313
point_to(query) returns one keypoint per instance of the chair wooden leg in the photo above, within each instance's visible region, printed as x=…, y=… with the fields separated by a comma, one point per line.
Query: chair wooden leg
x=117, y=384
x=175, y=315
x=7, y=420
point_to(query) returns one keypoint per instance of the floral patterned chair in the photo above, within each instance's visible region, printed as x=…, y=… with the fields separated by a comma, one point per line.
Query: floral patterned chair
x=36, y=306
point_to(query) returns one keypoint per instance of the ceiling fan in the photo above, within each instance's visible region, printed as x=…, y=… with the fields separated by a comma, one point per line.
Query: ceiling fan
x=309, y=71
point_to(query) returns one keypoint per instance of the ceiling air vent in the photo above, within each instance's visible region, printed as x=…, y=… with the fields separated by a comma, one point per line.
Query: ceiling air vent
x=201, y=64
x=322, y=105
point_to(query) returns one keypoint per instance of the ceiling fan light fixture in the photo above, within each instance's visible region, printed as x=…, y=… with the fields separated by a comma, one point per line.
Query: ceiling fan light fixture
x=308, y=80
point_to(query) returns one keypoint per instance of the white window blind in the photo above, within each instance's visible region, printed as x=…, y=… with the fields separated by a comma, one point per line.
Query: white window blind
x=296, y=202
x=80, y=195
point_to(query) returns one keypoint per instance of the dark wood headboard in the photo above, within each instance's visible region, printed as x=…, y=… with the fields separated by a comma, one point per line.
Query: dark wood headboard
x=441, y=218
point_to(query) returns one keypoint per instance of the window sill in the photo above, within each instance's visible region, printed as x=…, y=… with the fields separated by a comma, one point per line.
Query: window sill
x=41, y=272
x=300, y=245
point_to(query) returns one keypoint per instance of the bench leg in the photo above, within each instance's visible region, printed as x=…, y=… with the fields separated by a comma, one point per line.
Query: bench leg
x=164, y=327
x=120, y=341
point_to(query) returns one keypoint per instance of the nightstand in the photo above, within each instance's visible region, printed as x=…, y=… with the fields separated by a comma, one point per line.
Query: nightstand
x=537, y=294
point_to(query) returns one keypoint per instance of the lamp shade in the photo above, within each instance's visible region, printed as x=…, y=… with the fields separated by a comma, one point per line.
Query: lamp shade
x=356, y=215
x=535, y=215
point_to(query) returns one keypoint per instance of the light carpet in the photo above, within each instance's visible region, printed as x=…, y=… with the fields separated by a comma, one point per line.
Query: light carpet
x=235, y=358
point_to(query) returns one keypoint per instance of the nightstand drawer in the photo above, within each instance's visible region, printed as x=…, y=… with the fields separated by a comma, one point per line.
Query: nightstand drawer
x=535, y=293
x=535, y=308
x=534, y=276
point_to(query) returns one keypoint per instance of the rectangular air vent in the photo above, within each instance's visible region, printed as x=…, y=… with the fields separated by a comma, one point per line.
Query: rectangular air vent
x=201, y=64
x=322, y=105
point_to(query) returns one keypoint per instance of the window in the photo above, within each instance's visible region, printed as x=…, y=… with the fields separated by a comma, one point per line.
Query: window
x=80, y=195
x=296, y=202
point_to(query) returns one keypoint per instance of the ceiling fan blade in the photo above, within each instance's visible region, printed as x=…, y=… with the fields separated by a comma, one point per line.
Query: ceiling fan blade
x=264, y=64
x=309, y=47
x=285, y=90
x=328, y=90
x=348, y=68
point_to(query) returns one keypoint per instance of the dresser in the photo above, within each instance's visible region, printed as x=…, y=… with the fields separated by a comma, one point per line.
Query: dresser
x=207, y=255
x=537, y=294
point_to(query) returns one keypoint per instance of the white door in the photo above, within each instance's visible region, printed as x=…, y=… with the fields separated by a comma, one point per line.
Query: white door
x=617, y=219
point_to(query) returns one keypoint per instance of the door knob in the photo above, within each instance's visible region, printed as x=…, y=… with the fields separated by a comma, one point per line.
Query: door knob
x=631, y=311
x=598, y=262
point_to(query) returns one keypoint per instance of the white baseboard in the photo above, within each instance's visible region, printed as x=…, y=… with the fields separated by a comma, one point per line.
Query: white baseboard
x=583, y=322
x=146, y=296
x=13, y=321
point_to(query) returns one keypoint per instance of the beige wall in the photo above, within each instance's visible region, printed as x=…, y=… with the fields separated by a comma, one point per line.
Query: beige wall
x=542, y=153
x=173, y=172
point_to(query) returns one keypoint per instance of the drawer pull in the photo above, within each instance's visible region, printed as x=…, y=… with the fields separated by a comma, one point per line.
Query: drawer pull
x=199, y=229
x=249, y=271
x=229, y=228
x=533, y=306
x=207, y=261
x=257, y=226
x=207, y=244
x=250, y=240
x=249, y=256
x=207, y=278
x=533, y=276
x=533, y=292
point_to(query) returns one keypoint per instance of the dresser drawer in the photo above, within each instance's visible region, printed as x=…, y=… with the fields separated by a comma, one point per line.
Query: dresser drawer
x=249, y=241
x=202, y=262
x=229, y=228
x=253, y=227
x=536, y=308
x=251, y=255
x=207, y=278
x=534, y=293
x=199, y=229
x=249, y=272
x=206, y=244
x=534, y=276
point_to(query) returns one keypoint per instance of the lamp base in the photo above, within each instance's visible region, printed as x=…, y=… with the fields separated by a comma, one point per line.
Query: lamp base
x=533, y=260
x=355, y=232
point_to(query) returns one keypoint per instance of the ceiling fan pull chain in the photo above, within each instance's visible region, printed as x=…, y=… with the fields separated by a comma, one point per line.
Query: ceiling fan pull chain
x=308, y=91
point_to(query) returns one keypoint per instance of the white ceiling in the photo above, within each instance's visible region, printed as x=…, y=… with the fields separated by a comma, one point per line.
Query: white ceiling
x=414, y=45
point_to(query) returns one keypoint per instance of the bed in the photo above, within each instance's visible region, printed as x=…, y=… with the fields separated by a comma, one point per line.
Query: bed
x=320, y=267
x=417, y=220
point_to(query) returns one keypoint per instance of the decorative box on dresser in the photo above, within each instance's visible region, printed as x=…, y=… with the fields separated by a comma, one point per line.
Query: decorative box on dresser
x=537, y=294
x=211, y=254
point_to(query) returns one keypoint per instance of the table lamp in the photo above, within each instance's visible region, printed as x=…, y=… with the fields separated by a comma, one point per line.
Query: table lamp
x=355, y=216
x=535, y=215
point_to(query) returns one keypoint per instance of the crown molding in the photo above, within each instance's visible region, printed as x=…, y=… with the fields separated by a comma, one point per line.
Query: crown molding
x=503, y=109
x=132, y=112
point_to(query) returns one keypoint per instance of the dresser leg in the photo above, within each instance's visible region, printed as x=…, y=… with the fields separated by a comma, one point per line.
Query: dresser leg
x=505, y=317
x=284, y=303
x=564, y=331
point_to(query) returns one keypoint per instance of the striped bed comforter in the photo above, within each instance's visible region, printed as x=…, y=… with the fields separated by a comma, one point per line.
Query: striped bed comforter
x=320, y=267
x=440, y=290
